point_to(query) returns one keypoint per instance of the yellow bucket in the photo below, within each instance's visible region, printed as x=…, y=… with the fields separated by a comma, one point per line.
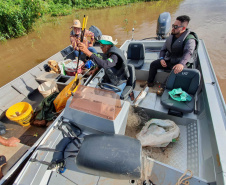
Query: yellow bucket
x=21, y=113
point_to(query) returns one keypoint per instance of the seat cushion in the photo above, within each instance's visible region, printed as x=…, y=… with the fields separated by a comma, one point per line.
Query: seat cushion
x=113, y=156
x=136, y=63
x=168, y=102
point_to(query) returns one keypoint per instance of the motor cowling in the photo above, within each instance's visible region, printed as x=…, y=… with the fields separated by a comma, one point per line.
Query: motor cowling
x=163, y=25
x=97, y=32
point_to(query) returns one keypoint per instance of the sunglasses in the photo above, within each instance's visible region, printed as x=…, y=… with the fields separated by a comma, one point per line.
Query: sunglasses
x=102, y=46
x=176, y=26
x=77, y=29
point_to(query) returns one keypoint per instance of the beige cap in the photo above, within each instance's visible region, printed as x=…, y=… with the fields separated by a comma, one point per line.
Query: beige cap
x=107, y=40
x=76, y=24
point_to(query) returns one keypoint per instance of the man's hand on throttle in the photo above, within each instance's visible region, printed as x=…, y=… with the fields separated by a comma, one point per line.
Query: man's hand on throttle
x=92, y=72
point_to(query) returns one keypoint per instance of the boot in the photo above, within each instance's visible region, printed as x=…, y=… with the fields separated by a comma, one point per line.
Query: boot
x=142, y=85
x=131, y=95
x=2, y=163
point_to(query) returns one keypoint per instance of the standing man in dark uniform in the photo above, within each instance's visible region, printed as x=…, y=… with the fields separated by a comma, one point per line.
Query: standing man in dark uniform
x=114, y=64
x=178, y=50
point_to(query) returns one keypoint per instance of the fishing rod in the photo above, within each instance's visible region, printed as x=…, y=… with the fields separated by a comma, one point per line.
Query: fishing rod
x=85, y=18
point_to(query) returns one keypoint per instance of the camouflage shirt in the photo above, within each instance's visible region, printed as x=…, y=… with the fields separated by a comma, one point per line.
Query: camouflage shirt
x=87, y=40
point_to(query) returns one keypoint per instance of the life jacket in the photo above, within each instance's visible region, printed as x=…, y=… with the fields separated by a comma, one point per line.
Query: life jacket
x=175, y=50
x=118, y=74
x=194, y=57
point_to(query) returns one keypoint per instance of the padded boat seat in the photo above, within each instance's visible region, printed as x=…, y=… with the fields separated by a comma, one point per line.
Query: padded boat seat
x=135, y=55
x=131, y=83
x=186, y=107
x=112, y=156
x=188, y=80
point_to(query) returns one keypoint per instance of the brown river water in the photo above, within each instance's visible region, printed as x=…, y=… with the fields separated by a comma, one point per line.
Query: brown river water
x=208, y=20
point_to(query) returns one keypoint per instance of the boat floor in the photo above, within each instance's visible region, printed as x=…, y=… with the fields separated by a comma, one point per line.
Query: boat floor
x=182, y=154
x=12, y=155
x=30, y=134
x=174, y=154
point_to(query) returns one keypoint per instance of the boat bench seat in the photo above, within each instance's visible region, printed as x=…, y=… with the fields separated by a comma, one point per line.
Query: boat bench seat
x=162, y=76
x=26, y=84
x=9, y=96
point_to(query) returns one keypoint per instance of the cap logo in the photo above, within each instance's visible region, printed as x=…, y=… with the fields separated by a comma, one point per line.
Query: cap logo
x=184, y=73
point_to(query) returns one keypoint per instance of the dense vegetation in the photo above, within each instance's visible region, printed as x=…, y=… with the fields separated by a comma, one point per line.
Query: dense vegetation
x=17, y=16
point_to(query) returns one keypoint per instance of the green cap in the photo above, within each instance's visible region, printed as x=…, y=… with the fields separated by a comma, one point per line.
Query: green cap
x=104, y=42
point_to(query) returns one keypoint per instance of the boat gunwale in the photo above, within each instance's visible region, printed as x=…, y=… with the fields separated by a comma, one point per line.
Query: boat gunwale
x=216, y=120
x=214, y=76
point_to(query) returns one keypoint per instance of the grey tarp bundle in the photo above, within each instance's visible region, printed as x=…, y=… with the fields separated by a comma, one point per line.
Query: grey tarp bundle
x=158, y=133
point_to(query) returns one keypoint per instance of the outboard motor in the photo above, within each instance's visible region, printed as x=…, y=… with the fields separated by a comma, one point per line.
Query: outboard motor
x=163, y=25
x=97, y=32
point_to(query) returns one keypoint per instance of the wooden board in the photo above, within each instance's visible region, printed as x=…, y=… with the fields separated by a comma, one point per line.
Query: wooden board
x=12, y=154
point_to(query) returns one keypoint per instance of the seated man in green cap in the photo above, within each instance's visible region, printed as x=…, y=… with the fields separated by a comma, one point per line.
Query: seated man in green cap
x=114, y=64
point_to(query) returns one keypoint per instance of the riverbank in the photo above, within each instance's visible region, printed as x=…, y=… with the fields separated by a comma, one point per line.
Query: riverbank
x=21, y=54
x=17, y=17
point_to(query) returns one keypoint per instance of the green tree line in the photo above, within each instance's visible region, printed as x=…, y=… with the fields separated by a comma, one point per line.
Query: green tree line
x=17, y=16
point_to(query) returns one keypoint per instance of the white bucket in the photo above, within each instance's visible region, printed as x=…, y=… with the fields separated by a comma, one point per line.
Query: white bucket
x=48, y=88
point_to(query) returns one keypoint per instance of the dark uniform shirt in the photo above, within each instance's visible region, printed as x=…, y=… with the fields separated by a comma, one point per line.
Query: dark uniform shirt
x=108, y=63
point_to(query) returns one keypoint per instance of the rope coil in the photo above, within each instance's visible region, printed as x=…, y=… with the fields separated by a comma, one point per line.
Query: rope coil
x=183, y=180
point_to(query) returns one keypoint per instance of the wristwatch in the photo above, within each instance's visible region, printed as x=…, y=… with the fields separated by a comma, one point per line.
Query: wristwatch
x=161, y=58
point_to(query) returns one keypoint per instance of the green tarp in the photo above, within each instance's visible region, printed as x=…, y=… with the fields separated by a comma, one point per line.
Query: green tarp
x=179, y=95
x=46, y=110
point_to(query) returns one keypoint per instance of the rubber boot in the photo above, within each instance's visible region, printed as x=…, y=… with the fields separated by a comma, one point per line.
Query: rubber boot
x=2, y=163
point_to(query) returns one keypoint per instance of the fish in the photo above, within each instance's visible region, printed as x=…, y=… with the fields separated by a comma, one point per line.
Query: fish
x=141, y=96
